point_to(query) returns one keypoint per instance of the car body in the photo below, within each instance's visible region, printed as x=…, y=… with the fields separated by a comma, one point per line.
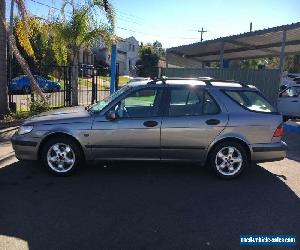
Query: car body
x=21, y=85
x=290, y=79
x=198, y=120
x=288, y=102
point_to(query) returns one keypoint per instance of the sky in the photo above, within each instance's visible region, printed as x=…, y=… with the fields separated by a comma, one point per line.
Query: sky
x=177, y=22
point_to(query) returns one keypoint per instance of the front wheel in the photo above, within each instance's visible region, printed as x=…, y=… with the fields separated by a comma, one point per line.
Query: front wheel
x=228, y=160
x=61, y=156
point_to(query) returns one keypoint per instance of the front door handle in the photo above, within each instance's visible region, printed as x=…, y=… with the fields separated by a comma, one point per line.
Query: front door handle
x=212, y=122
x=150, y=124
x=295, y=101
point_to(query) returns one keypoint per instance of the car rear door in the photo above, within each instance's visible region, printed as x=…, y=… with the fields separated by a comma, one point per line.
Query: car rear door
x=135, y=133
x=192, y=121
x=288, y=102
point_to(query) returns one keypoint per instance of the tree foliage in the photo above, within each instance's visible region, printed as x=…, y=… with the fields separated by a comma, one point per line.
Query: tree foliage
x=82, y=28
x=148, y=62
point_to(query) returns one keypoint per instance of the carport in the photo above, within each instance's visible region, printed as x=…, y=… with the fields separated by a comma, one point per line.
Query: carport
x=272, y=42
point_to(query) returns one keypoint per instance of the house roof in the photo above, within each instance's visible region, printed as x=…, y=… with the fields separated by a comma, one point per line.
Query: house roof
x=255, y=44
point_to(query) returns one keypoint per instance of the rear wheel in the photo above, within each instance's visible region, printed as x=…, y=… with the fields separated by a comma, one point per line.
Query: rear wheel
x=61, y=156
x=26, y=90
x=228, y=160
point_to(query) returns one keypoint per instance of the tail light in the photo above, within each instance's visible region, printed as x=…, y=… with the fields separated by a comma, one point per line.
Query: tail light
x=279, y=131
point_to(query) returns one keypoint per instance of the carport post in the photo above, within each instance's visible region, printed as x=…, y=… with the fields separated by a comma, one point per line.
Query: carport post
x=282, y=53
x=221, y=54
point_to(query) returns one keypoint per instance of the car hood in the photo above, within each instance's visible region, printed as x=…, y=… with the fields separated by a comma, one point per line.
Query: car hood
x=70, y=114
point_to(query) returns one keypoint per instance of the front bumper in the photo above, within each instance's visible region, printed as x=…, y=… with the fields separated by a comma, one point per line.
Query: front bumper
x=265, y=152
x=25, y=148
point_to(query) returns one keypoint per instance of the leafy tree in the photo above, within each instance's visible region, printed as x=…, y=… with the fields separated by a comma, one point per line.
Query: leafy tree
x=82, y=28
x=159, y=50
x=147, y=64
x=6, y=32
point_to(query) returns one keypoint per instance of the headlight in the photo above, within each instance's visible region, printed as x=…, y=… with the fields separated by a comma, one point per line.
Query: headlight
x=24, y=130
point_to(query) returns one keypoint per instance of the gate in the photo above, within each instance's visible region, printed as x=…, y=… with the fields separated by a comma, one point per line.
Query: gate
x=93, y=85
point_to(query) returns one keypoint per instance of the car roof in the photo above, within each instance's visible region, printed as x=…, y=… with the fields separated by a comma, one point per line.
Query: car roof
x=201, y=81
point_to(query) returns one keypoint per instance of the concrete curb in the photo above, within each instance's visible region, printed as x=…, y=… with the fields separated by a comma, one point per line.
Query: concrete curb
x=4, y=124
x=6, y=130
x=7, y=157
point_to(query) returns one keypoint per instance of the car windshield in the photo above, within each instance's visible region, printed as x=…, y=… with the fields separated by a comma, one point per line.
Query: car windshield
x=99, y=106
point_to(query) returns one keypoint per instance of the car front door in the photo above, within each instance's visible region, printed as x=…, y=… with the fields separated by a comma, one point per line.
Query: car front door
x=134, y=133
x=192, y=121
x=288, y=102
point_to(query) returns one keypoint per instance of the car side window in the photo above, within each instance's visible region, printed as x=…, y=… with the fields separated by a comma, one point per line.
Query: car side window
x=191, y=102
x=185, y=102
x=210, y=106
x=290, y=92
x=139, y=104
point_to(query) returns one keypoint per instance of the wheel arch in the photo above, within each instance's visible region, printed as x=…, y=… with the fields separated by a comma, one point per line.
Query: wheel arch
x=230, y=139
x=59, y=134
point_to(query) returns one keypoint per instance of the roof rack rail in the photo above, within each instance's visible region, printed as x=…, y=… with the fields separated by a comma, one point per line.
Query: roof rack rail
x=208, y=80
x=231, y=81
x=163, y=79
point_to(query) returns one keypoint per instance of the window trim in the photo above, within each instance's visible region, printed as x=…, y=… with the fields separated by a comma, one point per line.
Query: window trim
x=166, y=104
x=244, y=107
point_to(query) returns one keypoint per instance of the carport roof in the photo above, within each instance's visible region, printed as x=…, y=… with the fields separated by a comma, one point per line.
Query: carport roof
x=255, y=44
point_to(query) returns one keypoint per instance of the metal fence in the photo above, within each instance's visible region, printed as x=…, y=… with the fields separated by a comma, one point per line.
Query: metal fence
x=264, y=79
x=93, y=85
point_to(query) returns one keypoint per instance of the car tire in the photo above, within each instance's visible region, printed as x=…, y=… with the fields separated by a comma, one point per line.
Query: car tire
x=26, y=90
x=285, y=118
x=62, y=156
x=228, y=159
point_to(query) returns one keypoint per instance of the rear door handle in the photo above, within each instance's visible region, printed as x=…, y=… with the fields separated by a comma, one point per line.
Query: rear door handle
x=295, y=101
x=150, y=124
x=212, y=122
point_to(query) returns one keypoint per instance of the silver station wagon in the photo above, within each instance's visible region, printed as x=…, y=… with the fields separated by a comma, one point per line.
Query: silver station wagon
x=223, y=124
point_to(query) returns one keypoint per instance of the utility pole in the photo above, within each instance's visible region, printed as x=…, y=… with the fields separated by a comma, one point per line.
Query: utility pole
x=202, y=31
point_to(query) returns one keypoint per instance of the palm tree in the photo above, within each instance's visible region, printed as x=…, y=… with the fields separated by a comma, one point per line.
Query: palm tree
x=82, y=28
x=4, y=109
x=6, y=35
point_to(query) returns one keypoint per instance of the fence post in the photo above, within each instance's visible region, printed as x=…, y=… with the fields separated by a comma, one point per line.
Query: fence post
x=113, y=68
x=93, y=87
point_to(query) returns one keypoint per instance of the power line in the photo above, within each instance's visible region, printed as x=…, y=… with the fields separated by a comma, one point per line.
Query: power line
x=118, y=27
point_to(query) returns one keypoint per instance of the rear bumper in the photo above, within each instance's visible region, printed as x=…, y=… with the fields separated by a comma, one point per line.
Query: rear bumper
x=268, y=152
x=25, y=148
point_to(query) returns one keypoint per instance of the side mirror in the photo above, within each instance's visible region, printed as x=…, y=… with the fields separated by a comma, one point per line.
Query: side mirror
x=111, y=115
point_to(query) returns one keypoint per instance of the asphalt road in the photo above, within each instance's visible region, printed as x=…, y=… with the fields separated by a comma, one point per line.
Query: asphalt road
x=147, y=205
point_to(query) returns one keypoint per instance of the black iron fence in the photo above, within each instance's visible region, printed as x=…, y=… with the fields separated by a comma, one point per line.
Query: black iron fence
x=55, y=81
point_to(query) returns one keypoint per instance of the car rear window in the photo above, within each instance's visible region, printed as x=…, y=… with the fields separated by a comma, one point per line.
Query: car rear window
x=251, y=100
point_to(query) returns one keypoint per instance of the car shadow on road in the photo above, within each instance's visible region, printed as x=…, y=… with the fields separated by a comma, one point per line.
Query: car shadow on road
x=142, y=206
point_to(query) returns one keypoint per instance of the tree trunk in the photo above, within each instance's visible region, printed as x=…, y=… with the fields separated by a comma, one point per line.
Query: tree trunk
x=13, y=47
x=4, y=108
x=74, y=80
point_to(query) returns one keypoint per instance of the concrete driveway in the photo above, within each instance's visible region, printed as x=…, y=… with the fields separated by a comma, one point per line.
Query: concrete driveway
x=147, y=206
